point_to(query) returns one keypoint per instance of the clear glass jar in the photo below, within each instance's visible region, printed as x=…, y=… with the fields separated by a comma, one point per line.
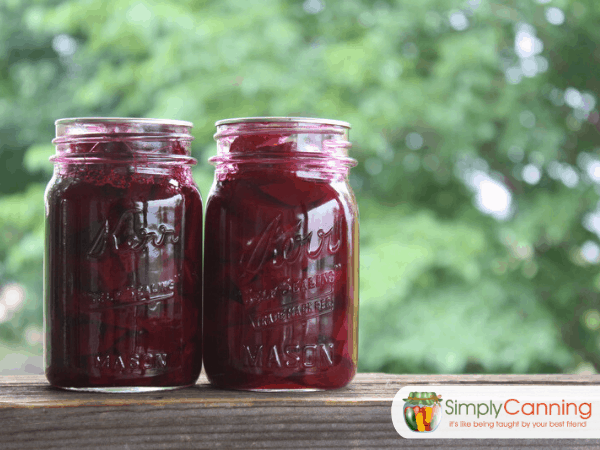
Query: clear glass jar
x=123, y=257
x=281, y=256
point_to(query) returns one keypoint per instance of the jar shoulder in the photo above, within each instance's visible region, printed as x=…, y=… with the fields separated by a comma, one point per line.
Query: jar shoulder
x=77, y=189
x=280, y=191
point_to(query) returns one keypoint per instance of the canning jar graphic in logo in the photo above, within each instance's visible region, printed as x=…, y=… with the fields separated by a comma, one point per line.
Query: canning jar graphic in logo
x=422, y=411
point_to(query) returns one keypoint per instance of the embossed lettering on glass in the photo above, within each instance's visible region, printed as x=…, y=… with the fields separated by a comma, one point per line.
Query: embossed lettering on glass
x=281, y=256
x=123, y=261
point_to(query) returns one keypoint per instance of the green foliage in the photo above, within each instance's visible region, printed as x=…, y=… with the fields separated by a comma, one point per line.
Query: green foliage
x=444, y=286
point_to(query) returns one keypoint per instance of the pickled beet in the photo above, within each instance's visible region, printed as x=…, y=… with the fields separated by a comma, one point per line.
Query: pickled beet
x=123, y=271
x=281, y=266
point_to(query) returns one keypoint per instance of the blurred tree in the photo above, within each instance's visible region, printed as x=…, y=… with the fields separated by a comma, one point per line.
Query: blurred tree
x=475, y=124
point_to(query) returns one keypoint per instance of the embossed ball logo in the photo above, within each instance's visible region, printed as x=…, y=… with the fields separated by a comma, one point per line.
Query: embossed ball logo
x=422, y=411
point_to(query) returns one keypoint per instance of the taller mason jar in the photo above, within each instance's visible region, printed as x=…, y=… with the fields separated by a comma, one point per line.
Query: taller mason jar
x=123, y=257
x=281, y=256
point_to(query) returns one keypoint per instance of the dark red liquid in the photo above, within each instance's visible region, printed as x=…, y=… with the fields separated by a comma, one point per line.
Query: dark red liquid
x=123, y=276
x=281, y=268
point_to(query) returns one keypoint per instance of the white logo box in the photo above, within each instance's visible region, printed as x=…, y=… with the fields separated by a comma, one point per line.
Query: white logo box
x=502, y=411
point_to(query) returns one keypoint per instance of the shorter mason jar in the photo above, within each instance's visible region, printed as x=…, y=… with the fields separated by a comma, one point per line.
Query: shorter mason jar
x=281, y=256
x=123, y=257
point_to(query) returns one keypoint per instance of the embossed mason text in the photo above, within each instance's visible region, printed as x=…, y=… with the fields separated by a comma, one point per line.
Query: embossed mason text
x=291, y=356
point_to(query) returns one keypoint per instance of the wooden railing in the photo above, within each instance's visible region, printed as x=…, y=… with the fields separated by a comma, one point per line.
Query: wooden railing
x=35, y=416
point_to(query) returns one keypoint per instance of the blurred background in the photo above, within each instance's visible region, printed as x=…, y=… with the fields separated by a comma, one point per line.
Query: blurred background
x=475, y=124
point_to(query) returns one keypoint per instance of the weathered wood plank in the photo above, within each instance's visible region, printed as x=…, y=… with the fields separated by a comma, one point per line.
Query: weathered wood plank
x=33, y=415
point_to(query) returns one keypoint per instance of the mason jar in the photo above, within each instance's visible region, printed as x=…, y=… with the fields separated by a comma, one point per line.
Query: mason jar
x=281, y=256
x=123, y=257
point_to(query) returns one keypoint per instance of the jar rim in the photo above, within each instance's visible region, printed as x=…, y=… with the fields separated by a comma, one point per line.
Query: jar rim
x=140, y=120
x=282, y=119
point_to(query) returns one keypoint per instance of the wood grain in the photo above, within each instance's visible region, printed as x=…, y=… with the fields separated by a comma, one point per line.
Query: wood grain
x=34, y=415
